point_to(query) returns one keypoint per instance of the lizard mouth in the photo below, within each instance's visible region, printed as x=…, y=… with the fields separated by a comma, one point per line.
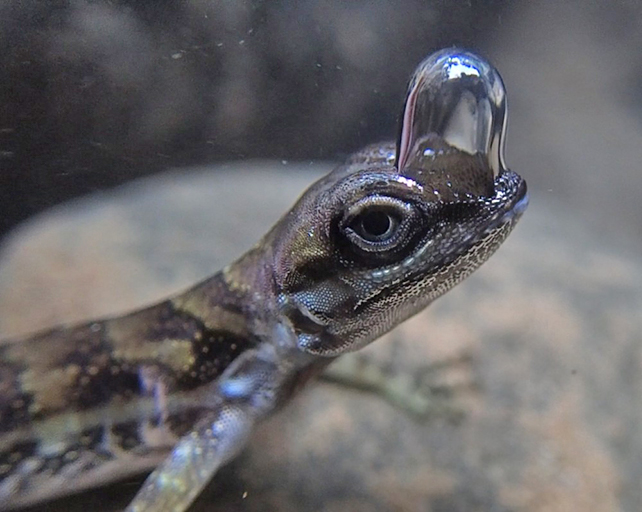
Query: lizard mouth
x=511, y=190
x=519, y=206
x=499, y=214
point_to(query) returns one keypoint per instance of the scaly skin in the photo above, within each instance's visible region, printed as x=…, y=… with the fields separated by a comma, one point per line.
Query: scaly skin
x=363, y=249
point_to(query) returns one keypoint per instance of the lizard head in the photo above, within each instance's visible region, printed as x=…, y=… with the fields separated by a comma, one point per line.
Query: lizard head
x=382, y=236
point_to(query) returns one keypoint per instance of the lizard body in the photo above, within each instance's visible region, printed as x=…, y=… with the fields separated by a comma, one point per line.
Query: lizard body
x=364, y=248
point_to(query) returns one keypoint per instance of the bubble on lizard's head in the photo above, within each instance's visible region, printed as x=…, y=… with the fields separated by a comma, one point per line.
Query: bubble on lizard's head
x=373, y=243
x=455, y=100
x=452, y=128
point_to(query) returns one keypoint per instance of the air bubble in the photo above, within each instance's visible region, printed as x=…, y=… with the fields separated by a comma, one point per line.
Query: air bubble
x=455, y=101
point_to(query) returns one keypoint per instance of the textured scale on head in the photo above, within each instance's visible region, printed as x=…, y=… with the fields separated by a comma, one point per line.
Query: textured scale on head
x=382, y=236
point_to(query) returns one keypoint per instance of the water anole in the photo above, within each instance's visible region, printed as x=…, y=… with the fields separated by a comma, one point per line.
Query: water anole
x=178, y=386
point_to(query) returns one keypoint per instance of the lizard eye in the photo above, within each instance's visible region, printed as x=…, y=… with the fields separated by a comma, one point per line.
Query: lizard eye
x=379, y=224
x=376, y=224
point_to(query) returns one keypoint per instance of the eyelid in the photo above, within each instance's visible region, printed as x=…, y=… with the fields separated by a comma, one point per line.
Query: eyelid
x=377, y=200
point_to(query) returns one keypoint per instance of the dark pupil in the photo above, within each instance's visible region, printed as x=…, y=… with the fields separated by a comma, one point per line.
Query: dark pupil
x=376, y=223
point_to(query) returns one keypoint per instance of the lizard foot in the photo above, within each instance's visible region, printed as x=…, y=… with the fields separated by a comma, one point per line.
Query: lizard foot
x=425, y=393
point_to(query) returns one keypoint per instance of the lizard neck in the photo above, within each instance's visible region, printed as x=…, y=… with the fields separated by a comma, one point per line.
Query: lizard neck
x=244, y=298
x=240, y=298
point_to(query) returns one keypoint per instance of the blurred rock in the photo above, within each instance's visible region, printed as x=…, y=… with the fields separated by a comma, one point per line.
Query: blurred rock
x=552, y=323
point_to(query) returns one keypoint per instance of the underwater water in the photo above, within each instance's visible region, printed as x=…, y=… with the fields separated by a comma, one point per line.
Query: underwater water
x=98, y=94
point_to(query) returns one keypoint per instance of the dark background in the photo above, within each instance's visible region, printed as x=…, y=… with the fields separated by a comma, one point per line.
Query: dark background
x=96, y=93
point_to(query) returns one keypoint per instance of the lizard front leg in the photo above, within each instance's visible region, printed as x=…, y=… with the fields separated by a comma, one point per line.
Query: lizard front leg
x=248, y=390
x=424, y=392
x=217, y=437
